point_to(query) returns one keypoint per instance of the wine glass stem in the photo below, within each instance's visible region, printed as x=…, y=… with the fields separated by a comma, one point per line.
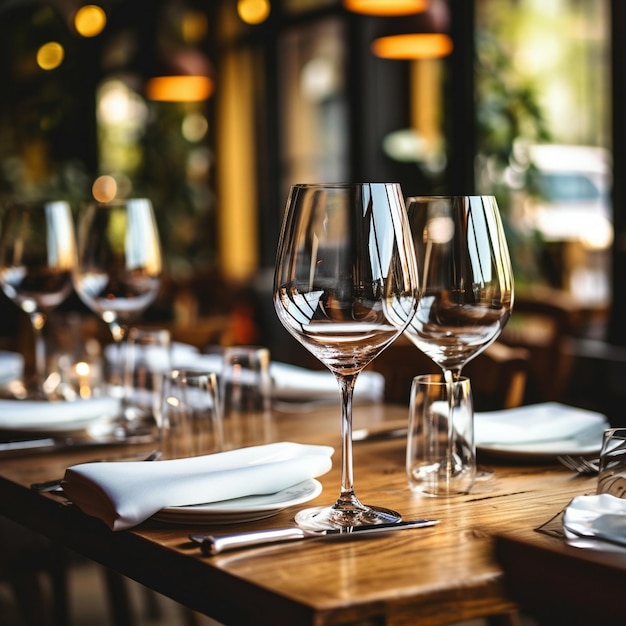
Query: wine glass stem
x=450, y=377
x=118, y=332
x=38, y=320
x=347, y=497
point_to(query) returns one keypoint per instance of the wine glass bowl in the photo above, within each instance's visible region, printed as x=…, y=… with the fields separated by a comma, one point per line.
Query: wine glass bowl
x=345, y=287
x=37, y=257
x=465, y=275
x=118, y=274
x=119, y=260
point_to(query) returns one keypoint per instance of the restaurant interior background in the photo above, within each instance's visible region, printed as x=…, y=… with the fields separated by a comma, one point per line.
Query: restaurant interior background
x=527, y=105
x=524, y=103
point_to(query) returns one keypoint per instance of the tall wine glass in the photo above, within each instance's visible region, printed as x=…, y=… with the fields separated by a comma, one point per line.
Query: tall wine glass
x=467, y=287
x=37, y=255
x=118, y=274
x=345, y=287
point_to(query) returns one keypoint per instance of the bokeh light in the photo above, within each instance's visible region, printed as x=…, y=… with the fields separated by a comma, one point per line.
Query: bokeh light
x=253, y=11
x=90, y=20
x=104, y=188
x=50, y=55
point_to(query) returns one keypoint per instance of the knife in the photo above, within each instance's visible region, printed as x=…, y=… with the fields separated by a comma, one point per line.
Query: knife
x=365, y=434
x=214, y=544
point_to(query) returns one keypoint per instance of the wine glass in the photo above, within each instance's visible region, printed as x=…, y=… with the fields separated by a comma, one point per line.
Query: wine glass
x=467, y=289
x=345, y=287
x=37, y=255
x=118, y=273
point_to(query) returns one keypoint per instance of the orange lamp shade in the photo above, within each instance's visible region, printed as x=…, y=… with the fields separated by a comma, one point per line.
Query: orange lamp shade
x=179, y=88
x=385, y=7
x=412, y=46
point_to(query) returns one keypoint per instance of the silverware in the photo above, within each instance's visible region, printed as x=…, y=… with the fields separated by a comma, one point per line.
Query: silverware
x=214, y=544
x=366, y=434
x=580, y=464
x=55, y=486
x=27, y=444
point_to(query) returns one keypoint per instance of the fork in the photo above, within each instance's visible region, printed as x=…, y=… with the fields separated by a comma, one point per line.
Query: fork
x=580, y=464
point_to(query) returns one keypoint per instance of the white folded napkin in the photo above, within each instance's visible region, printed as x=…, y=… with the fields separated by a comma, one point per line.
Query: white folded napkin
x=11, y=366
x=180, y=355
x=42, y=416
x=297, y=383
x=601, y=516
x=290, y=382
x=535, y=423
x=124, y=494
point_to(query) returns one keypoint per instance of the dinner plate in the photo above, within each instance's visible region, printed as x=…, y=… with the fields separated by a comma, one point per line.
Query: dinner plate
x=541, y=451
x=532, y=432
x=31, y=417
x=245, y=509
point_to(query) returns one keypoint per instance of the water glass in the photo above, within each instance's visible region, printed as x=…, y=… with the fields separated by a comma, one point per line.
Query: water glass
x=246, y=396
x=612, y=473
x=441, y=455
x=147, y=357
x=191, y=422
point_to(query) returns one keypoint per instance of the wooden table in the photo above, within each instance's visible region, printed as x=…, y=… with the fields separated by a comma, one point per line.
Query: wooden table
x=565, y=583
x=429, y=576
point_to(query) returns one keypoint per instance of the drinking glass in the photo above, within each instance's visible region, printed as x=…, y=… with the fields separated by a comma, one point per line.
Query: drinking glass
x=37, y=256
x=191, y=420
x=428, y=437
x=466, y=281
x=246, y=396
x=147, y=360
x=345, y=287
x=118, y=273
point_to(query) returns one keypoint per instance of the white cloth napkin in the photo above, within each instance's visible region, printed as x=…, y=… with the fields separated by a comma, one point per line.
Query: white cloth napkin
x=180, y=355
x=124, y=494
x=297, y=383
x=290, y=382
x=41, y=416
x=601, y=516
x=536, y=423
x=11, y=366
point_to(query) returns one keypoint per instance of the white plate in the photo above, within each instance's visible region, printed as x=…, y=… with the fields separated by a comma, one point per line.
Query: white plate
x=531, y=432
x=241, y=509
x=31, y=417
x=541, y=451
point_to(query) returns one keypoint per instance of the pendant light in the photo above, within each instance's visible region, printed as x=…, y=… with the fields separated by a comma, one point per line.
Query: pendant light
x=421, y=36
x=385, y=7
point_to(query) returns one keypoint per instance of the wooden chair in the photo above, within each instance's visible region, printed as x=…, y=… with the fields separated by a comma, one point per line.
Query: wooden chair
x=542, y=322
x=26, y=557
x=498, y=375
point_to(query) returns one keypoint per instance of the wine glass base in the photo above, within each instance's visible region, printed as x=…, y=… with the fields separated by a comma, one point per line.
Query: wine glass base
x=330, y=517
x=484, y=473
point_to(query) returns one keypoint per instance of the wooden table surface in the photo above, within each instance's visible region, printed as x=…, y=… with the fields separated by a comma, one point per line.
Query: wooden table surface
x=429, y=576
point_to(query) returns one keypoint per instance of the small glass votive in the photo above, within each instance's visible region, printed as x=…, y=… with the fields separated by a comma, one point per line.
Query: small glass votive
x=246, y=396
x=191, y=422
x=147, y=358
x=612, y=472
x=440, y=454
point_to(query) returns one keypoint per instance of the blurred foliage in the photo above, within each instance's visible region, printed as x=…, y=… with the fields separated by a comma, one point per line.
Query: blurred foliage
x=508, y=114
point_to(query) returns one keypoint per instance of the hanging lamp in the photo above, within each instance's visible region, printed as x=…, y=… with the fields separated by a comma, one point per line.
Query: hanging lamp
x=186, y=77
x=421, y=36
x=385, y=7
